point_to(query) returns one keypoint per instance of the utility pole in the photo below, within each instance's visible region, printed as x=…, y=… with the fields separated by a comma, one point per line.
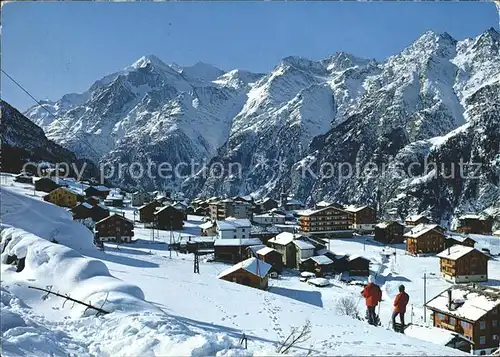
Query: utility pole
x=196, y=261
x=425, y=297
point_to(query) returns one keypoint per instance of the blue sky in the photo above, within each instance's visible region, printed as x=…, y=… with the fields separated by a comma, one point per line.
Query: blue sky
x=62, y=47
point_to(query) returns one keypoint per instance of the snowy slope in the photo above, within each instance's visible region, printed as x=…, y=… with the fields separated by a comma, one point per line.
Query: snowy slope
x=182, y=314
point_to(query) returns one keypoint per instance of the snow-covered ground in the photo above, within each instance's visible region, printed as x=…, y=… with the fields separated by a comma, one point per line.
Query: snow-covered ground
x=160, y=307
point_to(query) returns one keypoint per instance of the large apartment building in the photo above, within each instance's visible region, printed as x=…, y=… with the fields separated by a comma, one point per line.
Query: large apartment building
x=324, y=221
x=223, y=209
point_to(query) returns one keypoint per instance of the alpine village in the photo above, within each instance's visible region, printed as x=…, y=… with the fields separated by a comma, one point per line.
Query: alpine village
x=260, y=240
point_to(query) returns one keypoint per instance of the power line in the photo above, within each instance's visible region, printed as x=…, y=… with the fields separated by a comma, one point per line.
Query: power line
x=48, y=111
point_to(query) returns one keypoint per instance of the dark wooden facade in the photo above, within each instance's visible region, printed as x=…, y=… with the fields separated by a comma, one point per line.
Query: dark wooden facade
x=363, y=219
x=93, y=191
x=46, y=184
x=147, y=211
x=472, y=266
x=482, y=333
x=115, y=228
x=428, y=242
x=169, y=218
x=415, y=221
x=389, y=233
x=313, y=266
x=232, y=253
x=274, y=258
x=468, y=242
x=475, y=226
x=98, y=213
x=92, y=200
x=358, y=266
x=23, y=178
x=244, y=277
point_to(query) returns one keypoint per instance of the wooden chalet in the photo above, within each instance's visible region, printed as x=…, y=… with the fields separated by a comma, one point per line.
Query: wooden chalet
x=471, y=311
x=270, y=256
x=208, y=229
x=98, y=212
x=459, y=240
x=250, y=272
x=425, y=239
x=462, y=264
x=147, y=211
x=169, y=218
x=114, y=228
x=46, y=184
x=319, y=264
x=63, y=197
x=97, y=191
x=358, y=266
x=92, y=200
x=233, y=250
x=416, y=219
x=475, y=224
x=23, y=178
x=389, y=232
x=362, y=218
x=81, y=210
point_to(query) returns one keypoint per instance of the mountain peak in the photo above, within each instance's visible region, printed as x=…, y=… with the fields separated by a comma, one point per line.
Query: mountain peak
x=203, y=71
x=148, y=59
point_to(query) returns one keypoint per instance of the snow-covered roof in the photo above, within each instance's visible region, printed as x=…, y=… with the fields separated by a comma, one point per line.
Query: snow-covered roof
x=237, y=242
x=303, y=245
x=435, y=335
x=420, y=230
x=319, y=282
x=112, y=215
x=321, y=259
x=415, y=217
x=459, y=238
x=307, y=274
x=356, y=256
x=309, y=212
x=455, y=252
x=386, y=224
x=267, y=215
x=496, y=233
x=323, y=204
x=284, y=238
x=471, y=216
x=256, y=248
x=86, y=205
x=232, y=223
x=114, y=196
x=252, y=265
x=265, y=250
x=293, y=202
x=468, y=302
x=206, y=225
x=354, y=209
x=100, y=188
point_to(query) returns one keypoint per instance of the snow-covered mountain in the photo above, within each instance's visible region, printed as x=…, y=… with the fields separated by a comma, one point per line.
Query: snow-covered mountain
x=23, y=141
x=304, y=113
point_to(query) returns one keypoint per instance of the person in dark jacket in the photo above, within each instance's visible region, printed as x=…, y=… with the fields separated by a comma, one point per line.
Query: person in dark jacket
x=400, y=303
x=372, y=295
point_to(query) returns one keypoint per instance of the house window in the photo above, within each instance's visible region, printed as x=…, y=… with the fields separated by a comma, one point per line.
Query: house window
x=482, y=325
x=453, y=321
x=440, y=316
x=464, y=324
x=482, y=340
x=494, y=323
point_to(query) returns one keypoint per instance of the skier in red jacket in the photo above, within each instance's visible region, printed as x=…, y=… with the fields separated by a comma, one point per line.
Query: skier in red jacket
x=400, y=303
x=372, y=295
